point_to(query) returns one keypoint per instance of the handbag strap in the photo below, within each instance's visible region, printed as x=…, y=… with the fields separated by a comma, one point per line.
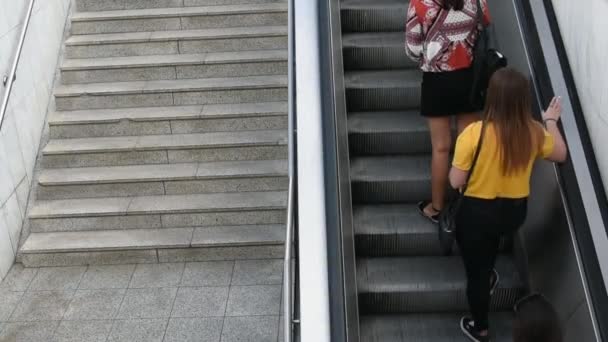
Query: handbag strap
x=480, y=15
x=475, y=157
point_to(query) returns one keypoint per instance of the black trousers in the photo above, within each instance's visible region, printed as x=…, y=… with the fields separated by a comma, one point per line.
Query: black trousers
x=480, y=226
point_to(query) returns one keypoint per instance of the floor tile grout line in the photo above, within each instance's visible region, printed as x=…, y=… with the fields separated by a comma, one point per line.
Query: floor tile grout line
x=227, y=300
x=70, y=301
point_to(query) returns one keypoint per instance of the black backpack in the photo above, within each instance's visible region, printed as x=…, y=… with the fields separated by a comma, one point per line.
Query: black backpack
x=486, y=60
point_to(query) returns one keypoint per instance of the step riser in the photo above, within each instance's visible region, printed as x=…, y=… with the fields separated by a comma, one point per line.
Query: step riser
x=179, y=23
x=389, y=143
x=145, y=256
x=110, y=5
x=377, y=58
x=431, y=301
x=154, y=73
x=164, y=156
x=162, y=188
x=391, y=192
x=374, y=20
x=405, y=245
x=383, y=99
x=135, y=128
x=169, y=220
x=189, y=46
x=230, y=96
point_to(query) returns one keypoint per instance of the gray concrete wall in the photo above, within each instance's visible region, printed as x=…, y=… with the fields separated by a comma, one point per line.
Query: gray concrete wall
x=583, y=26
x=22, y=129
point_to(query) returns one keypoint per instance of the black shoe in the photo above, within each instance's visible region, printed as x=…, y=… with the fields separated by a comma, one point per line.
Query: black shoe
x=494, y=280
x=432, y=218
x=468, y=328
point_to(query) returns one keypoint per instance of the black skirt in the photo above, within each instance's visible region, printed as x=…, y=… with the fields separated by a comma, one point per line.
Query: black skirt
x=447, y=93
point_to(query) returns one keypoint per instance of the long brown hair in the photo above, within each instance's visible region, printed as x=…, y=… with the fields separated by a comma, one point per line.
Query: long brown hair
x=457, y=5
x=508, y=107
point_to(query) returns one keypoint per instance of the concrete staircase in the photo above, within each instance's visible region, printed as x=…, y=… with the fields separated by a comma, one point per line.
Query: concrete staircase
x=168, y=142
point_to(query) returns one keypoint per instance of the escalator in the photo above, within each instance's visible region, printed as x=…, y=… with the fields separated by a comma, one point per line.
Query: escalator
x=370, y=268
x=407, y=290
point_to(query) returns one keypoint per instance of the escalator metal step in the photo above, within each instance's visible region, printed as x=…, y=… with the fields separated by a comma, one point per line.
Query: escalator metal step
x=434, y=327
x=426, y=284
x=375, y=51
x=373, y=15
x=390, y=132
x=397, y=230
x=382, y=90
x=390, y=179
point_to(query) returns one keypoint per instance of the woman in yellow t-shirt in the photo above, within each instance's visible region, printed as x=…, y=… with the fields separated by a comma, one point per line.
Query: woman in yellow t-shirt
x=495, y=202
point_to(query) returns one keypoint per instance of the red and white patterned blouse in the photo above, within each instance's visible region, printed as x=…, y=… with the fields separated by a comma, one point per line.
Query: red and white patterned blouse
x=439, y=39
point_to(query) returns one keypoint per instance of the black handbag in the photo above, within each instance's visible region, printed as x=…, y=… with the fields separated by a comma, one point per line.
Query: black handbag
x=486, y=60
x=447, y=217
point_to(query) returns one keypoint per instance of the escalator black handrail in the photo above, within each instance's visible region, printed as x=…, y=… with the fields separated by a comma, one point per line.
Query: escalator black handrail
x=574, y=202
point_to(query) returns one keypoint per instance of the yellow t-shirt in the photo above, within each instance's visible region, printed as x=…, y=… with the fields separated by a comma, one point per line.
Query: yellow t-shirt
x=487, y=180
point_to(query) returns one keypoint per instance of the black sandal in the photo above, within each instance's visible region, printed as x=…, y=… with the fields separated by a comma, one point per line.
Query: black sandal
x=432, y=218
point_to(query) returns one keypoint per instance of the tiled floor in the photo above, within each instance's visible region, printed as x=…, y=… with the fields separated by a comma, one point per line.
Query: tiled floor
x=223, y=301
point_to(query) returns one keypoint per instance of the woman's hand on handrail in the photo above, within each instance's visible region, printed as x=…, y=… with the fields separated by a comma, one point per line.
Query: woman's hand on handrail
x=551, y=117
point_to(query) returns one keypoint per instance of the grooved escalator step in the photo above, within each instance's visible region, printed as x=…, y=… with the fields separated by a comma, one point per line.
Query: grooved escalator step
x=391, y=132
x=427, y=284
x=434, y=327
x=390, y=179
x=373, y=15
x=382, y=90
x=375, y=51
x=397, y=230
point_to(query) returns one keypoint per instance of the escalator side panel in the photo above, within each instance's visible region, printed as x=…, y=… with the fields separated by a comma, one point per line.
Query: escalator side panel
x=548, y=252
x=583, y=190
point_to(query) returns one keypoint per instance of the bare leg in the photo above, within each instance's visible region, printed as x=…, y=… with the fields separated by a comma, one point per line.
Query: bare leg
x=465, y=119
x=441, y=138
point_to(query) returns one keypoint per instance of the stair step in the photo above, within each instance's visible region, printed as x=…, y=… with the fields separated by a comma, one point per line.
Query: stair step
x=391, y=132
x=167, y=179
x=177, y=42
x=166, y=211
x=180, y=18
x=382, y=90
x=426, y=284
x=153, y=245
x=398, y=230
x=168, y=67
x=171, y=92
x=435, y=327
x=373, y=15
x=112, y=240
x=390, y=179
x=168, y=120
x=113, y=5
x=165, y=149
x=376, y=51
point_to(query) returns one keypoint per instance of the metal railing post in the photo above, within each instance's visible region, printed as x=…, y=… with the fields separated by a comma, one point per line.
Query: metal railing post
x=289, y=234
x=10, y=79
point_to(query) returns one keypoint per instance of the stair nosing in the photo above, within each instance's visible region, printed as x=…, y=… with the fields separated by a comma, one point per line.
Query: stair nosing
x=171, y=86
x=199, y=112
x=109, y=174
x=177, y=12
x=111, y=239
x=149, y=205
x=177, y=35
x=171, y=60
x=150, y=142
